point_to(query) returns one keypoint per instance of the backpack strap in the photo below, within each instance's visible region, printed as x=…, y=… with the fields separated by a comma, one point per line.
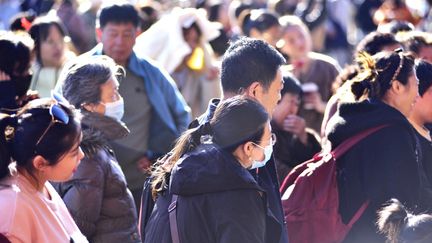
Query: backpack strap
x=347, y=144
x=359, y=213
x=344, y=147
x=172, y=210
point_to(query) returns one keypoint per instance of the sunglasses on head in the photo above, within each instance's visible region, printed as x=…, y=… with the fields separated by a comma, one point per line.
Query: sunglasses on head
x=58, y=114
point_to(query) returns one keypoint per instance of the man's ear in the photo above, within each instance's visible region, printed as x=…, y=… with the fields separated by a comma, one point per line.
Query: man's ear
x=138, y=31
x=40, y=163
x=98, y=34
x=252, y=90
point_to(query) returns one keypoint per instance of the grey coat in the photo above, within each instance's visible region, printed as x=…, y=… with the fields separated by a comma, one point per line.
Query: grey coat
x=97, y=195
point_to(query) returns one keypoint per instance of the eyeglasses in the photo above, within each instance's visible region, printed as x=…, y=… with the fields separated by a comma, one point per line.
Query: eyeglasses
x=272, y=141
x=58, y=114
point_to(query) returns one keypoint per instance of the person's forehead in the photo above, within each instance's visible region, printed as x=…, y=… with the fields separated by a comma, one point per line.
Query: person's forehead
x=292, y=96
x=126, y=26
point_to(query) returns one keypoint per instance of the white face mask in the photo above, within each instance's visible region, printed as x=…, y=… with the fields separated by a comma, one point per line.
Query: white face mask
x=115, y=109
x=268, y=150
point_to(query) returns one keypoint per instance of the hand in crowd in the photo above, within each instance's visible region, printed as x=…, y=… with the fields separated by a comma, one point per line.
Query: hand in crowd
x=144, y=164
x=313, y=101
x=296, y=125
x=29, y=96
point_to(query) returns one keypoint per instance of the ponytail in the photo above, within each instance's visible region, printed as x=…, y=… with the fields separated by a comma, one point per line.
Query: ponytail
x=188, y=141
x=363, y=84
x=377, y=73
x=7, y=132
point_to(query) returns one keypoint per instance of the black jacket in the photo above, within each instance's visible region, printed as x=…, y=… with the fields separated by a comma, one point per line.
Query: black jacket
x=155, y=228
x=380, y=167
x=265, y=176
x=219, y=200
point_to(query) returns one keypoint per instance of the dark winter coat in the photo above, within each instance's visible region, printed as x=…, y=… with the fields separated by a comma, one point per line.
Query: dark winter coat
x=265, y=176
x=219, y=200
x=7, y=96
x=156, y=229
x=380, y=167
x=289, y=151
x=97, y=195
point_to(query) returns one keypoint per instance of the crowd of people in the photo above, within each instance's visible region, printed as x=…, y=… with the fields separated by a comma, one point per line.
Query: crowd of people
x=156, y=121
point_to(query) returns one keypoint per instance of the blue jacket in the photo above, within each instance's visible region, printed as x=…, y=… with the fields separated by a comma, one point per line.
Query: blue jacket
x=171, y=114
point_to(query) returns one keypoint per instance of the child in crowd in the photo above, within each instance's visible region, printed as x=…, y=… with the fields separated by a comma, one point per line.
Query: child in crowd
x=295, y=142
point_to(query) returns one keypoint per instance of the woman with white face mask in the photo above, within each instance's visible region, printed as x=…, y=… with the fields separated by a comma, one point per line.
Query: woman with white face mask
x=97, y=196
x=218, y=199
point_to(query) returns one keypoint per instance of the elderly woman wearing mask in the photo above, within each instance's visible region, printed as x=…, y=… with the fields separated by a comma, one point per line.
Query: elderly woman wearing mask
x=97, y=196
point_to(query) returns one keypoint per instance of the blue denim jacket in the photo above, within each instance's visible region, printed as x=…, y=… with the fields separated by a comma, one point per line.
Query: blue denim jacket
x=171, y=114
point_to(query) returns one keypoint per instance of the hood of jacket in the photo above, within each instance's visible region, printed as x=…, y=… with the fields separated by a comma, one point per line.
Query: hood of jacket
x=209, y=169
x=352, y=118
x=98, y=130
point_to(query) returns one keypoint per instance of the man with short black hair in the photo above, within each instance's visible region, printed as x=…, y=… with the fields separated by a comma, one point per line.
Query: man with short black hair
x=252, y=68
x=154, y=110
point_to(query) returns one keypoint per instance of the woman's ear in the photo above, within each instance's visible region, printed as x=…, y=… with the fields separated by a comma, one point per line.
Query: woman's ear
x=397, y=87
x=88, y=107
x=248, y=148
x=40, y=163
x=243, y=153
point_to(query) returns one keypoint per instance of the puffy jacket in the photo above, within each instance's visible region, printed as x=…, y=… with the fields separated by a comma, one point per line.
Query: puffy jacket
x=97, y=195
x=219, y=200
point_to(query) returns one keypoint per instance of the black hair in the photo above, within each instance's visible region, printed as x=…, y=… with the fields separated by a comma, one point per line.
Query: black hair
x=15, y=49
x=291, y=85
x=194, y=26
x=220, y=43
x=416, y=40
x=249, y=60
x=22, y=21
x=240, y=8
x=236, y=121
x=20, y=133
x=149, y=14
x=401, y=226
x=118, y=13
x=396, y=26
x=375, y=42
x=258, y=19
x=379, y=71
x=423, y=70
x=213, y=12
x=40, y=31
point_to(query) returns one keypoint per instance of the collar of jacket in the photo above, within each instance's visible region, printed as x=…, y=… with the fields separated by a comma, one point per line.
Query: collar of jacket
x=109, y=128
